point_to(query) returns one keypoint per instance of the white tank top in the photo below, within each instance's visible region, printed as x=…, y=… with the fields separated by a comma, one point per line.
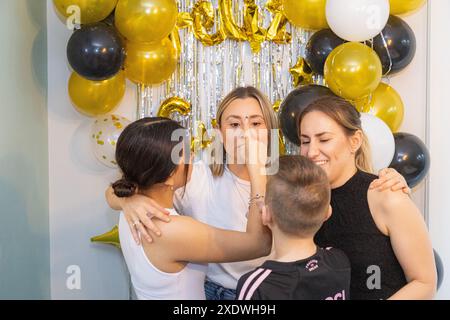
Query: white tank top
x=149, y=282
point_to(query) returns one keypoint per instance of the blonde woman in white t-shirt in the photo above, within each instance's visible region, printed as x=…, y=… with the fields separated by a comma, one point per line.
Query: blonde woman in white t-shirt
x=217, y=193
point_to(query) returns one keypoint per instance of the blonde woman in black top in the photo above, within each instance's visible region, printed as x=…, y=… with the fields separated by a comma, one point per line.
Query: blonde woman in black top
x=382, y=232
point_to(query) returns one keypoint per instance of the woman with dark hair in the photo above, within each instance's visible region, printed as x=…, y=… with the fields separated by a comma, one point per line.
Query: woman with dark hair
x=165, y=267
x=382, y=232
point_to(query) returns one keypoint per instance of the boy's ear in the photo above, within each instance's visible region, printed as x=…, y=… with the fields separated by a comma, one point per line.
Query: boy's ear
x=266, y=216
x=329, y=212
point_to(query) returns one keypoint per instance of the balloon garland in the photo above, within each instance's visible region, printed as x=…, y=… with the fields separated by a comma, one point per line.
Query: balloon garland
x=117, y=40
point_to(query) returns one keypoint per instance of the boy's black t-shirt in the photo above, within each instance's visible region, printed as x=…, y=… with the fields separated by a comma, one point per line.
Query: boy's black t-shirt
x=323, y=276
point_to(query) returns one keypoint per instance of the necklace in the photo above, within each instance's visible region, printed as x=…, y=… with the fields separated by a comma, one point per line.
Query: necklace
x=235, y=182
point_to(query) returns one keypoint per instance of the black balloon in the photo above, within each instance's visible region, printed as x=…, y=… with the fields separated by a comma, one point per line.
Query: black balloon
x=293, y=105
x=319, y=48
x=399, y=44
x=439, y=269
x=96, y=51
x=411, y=158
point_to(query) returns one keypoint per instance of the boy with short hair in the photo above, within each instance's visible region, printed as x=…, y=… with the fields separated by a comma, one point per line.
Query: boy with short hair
x=297, y=203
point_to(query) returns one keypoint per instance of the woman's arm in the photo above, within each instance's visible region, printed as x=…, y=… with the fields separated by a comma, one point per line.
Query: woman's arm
x=188, y=240
x=410, y=242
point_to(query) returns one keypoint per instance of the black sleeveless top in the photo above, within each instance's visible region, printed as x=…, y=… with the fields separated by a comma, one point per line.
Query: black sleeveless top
x=376, y=272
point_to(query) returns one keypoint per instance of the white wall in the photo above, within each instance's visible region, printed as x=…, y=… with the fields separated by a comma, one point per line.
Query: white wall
x=439, y=118
x=411, y=84
x=77, y=182
x=78, y=209
x=24, y=236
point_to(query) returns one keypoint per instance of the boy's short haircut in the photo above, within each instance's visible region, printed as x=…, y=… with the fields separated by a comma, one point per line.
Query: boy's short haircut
x=298, y=196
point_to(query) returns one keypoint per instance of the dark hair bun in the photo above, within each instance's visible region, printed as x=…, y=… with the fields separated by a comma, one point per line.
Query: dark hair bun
x=124, y=188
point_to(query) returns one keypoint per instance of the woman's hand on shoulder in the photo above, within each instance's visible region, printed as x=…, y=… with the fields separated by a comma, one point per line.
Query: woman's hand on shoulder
x=389, y=178
x=139, y=211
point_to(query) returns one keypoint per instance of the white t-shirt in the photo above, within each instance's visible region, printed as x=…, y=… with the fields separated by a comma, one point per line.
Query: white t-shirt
x=149, y=282
x=221, y=202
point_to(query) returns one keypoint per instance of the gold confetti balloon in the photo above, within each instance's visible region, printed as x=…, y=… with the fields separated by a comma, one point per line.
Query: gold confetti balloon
x=104, y=135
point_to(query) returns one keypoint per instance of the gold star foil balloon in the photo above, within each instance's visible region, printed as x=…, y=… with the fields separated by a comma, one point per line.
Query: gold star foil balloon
x=110, y=237
x=104, y=135
x=301, y=73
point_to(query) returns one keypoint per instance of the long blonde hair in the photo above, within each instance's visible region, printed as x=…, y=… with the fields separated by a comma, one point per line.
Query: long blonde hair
x=349, y=119
x=218, y=165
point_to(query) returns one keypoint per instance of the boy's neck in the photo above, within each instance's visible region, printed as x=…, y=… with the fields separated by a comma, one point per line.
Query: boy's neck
x=162, y=195
x=289, y=248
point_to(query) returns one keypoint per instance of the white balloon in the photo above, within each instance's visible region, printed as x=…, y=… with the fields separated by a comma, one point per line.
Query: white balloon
x=105, y=132
x=381, y=141
x=357, y=20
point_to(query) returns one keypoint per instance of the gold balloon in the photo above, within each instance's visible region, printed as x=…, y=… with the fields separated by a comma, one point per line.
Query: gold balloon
x=405, y=6
x=202, y=21
x=110, y=237
x=353, y=70
x=94, y=98
x=306, y=14
x=386, y=104
x=301, y=73
x=90, y=10
x=146, y=20
x=174, y=104
x=229, y=25
x=150, y=63
x=277, y=29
